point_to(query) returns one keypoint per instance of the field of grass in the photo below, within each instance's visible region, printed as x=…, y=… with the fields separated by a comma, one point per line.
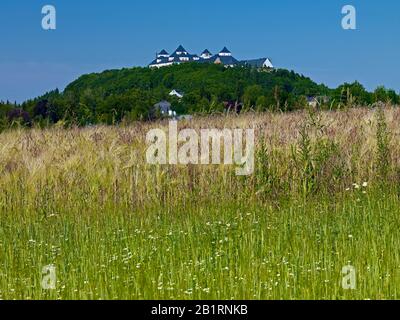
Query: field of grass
x=325, y=194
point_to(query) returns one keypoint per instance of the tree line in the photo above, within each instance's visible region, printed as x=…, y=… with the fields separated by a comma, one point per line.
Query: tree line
x=127, y=95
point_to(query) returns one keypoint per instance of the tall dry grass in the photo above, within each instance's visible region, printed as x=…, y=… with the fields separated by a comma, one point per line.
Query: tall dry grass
x=303, y=152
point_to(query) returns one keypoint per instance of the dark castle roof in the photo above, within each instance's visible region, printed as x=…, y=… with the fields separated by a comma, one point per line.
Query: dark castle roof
x=225, y=50
x=206, y=52
x=225, y=60
x=180, y=49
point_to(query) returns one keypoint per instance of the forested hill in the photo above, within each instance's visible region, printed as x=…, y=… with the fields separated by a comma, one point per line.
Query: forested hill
x=129, y=94
x=196, y=80
x=205, y=87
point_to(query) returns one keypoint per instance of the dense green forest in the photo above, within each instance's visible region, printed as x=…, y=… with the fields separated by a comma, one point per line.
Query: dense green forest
x=126, y=95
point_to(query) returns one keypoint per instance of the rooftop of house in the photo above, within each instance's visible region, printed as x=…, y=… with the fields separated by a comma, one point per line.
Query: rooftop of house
x=181, y=49
x=225, y=60
x=257, y=63
x=225, y=50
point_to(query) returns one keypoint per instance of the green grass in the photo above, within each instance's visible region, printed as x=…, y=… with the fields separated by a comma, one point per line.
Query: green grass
x=295, y=250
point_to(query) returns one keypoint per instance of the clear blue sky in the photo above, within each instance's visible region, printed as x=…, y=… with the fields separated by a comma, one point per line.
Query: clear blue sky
x=93, y=35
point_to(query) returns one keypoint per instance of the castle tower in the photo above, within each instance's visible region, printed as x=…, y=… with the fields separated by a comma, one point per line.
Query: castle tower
x=206, y=54
x=225, y=53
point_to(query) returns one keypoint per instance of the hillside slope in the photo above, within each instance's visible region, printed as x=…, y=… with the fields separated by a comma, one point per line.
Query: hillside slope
x=129, y=93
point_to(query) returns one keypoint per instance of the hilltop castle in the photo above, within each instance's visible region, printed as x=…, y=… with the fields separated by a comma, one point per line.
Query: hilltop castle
x=224, y=57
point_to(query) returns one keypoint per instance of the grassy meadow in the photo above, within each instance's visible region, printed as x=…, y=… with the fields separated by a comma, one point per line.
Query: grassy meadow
x=325, y=194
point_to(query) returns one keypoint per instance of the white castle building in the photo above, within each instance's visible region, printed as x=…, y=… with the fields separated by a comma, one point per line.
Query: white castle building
x=224, y=57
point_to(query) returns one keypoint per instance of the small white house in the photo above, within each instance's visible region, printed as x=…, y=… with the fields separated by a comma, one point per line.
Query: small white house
x=163, y=107
x=263, y=63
